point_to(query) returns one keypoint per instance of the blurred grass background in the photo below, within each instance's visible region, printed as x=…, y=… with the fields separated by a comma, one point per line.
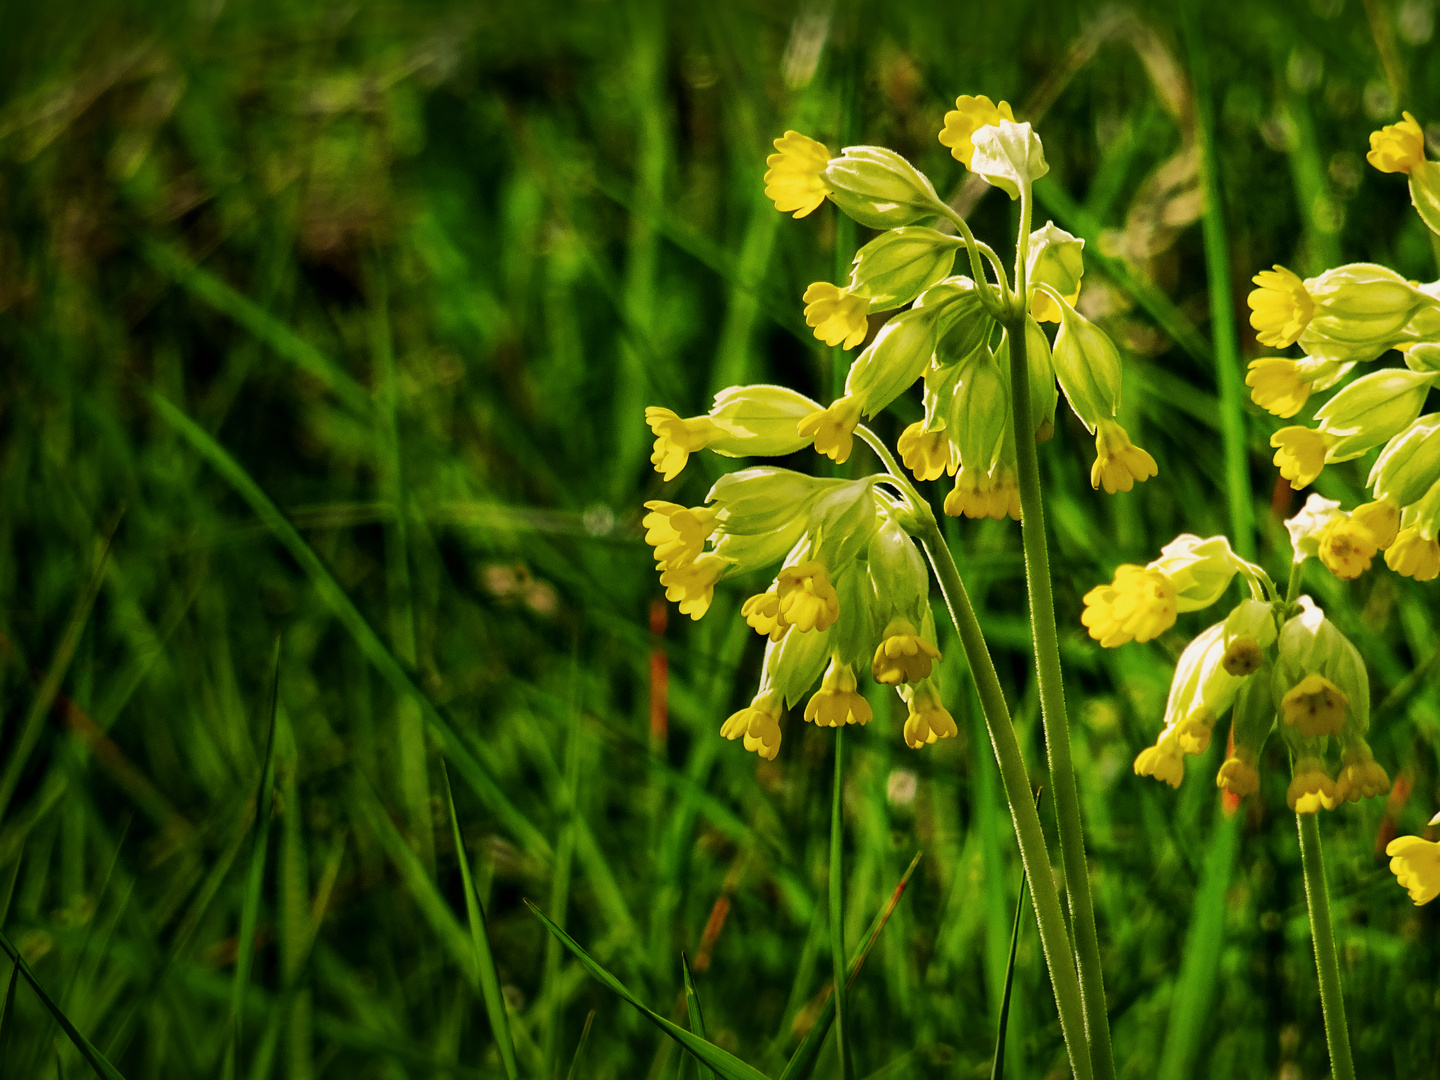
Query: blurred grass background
x=336, y=322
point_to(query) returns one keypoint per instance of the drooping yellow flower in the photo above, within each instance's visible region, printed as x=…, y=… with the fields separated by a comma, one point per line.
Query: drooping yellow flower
x=903, y=656
x=1314, y=707
x=1118, y=463
x=1242, y=657
x=928, y=719
x=969, y=116
x=1138, y=605
x=677, y=533
x=692, y=585
x=762, y=612
x=1361, y=776
x=1192, y=734
x=1346, y=547
x=837, y=702
x=1413, y=556
x=676, y=439
x=837, y=315
x=1280, y=308
x=1300, y=454
x=1163, y=761
x=1397, y=147
x=758, y=724
x=995, y=494
x=927, y=454
x=1311, y=788
x=1238, y=776
x=1381, y=518
x=1415, y=862
x=806, y=599
x=795, y=179
x=833, y=429
x=1276, y=386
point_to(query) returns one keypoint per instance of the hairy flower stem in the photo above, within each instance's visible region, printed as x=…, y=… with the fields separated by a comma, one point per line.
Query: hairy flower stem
x=1030, y=838
x=1332, y=1003
x=1052, y=707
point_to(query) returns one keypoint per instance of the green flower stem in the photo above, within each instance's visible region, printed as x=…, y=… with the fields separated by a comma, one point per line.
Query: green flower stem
x=1052, y=707
x=837, y=901
x=1292, y=592
x=988, y=294
x=1029, y=837
x=1332, y=1003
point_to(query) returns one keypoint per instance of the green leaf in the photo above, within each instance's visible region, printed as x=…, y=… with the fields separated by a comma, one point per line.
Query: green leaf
x=580, y=1046
x=692, y=1006
x=997, y=1070
x=7, y=1031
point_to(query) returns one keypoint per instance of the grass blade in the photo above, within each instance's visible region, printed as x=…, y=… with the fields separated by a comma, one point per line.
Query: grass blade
x=727, y=1065
x=484, y=958
x=580, y=1046
x=7, y=1013
x=692, y=1006
x=997, y=1071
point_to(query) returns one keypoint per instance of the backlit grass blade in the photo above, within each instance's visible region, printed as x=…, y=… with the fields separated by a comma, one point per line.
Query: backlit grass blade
x=997, y=1070
x=727, y=1065
x=580, y=1047
x=7, y=1021
x=692, y=1007
x=485, y=960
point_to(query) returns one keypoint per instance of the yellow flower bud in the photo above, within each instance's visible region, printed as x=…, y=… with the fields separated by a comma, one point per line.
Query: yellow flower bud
x=692, y=585
x=969, y=116
x=1381, y=519
x=1238, y=776
x=1300, y=454
x=838, y=316
x=1138, y=605
x=1361, y=776
x=1415, y=862
x=758, y=725
x=1314, y=707
x=807, y=600
x=928, y=719
x=1163, y=761
x=1280, y=308
x=837, y=702
x=903, y=656
x=677, y=533
x=1413, y=555
x=762, y=613
x=833, y=429
x=927, y=454
x=794, y=180
x=1118, y=464
x=1311, y=788
x=1397, y=147
x=1055, y=259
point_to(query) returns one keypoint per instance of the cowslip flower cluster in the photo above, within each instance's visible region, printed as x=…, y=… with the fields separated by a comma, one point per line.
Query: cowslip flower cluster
x=1351, y=315
x=1274, y=665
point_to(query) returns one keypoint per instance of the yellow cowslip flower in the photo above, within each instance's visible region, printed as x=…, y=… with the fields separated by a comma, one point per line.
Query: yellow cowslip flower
x=1118, y=463
x=995, y=494
x=1361, y=776
x=1192, y=734
x=928, y=720
x=805, y=597
x=1311, y=788
x=1280, y=308
x=677, y=438
x=1413, y=556
x=1346, y=547
x=833, y=429
x=1238, y=776
x=837, y=702
x=1276, y=386
x=837, y=315
x=903, y=656
x=1315, y=707
x=677, y=533
x=927, y=454
x=795, y=180
x=1397, y=147
x=762, y=613
x=758, y=724
x=969, y=116
x=1242, y=657
x=1163, y=761
x=1381, y=518
x=1415, y=862
x=1300, y=454
x=1138, y=605
x=692, y=585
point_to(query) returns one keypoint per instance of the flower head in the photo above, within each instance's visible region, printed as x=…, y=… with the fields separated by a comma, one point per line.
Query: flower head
x=1243, y=656
x=805, y=597
x=1381, y=518
x=1413, y=555
x=1361, y=776
x=692, y=585
x=1238, y=776
x=1164, y=761
x=758, y=724
x=794, y=180
x=1346, y=547
x=1311, y=788
x=1137, y=606
x=928, y=719
x=1118, y=463
x=1300, y=454
x=1416, y=865
x=927, y=454
x=676, y=439
x=976, y=494
x=1280, y=308
x=1314, y=707
x=677, y=533
x=1397, y=147
x=1276, y=386
x=837, y=314
x=969, y=116
x=762, y=613
x=837, y=702
x=833, y=429
x=903, y=656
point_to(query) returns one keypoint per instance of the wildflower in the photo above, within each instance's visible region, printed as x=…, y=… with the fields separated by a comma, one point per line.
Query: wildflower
x=1415, y=862
x=993, y=494
x=677, y=439
x=1414, y=555
x=1054, y=260
x=1242, y=657
x=1311, y=787
x=1239, y=776
x=927, y=454
x=837, y=703
x=692, y=585
x=838, y=315
x=1346, y=547
x=899, y=265
x=1277, y=386
x=794, y=180
x=805, y=597
x=1008, y=155
x=903, y=656
x=1280, y=308
x=1381, y=519
x=758, y=724
x=1118, y=464
x=1087, y=365
x=1138, y=605
x=969, y=116
x=1300, y=454
x=1361, y=776
x=743, y=420
x=879, y=188
x=1410, y=463
x=762, y=613
x=1397, y=147
x=833, y=429
x=1164, y=761
x=928, y=719
x=1315, y=707
x=677, y=533
x=1372, y=410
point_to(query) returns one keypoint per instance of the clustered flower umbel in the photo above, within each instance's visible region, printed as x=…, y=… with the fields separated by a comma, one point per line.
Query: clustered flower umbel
x=1275, y=666
x=1351, y=315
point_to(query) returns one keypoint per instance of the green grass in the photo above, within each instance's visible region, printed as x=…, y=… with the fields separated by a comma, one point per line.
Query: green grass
x=333, y=324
